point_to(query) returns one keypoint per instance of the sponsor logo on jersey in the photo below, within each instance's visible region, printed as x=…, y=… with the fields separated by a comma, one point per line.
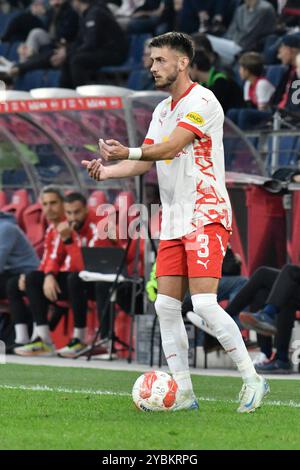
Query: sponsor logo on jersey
x=196, y=118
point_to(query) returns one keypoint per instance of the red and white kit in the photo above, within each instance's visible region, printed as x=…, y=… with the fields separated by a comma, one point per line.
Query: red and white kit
x=192, y=186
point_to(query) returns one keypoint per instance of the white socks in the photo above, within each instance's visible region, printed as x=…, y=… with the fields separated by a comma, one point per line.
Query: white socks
x=21, y=333
x=79, y=333
x=226, y=331
x=174, y=339
x=44, y=333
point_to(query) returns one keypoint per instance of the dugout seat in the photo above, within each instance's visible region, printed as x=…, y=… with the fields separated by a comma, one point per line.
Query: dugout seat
x=3, y=200
x=19, y=202
x=35, y=226
x=96, y=199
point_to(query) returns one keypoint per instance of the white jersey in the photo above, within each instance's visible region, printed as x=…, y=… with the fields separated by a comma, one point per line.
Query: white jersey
x=192, y=185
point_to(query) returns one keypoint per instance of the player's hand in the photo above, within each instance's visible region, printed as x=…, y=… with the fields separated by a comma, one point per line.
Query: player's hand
x=51, y=288
x=95, y=169
x=65, y=230
x=112, y=150
x=22, y=282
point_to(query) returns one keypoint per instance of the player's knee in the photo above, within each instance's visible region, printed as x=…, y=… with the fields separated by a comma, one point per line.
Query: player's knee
x=167, y=307
x=204, y=303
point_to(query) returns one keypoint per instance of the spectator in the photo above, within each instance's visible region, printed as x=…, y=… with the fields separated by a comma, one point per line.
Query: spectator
x=142, y=79
x=20, y=26
x=62, y=25
x=153, y=16
x=288, y=51
x=124, y=12
x=225, y=89
x=252, y=21
x=53, y=282
x=206, y=15
x=257, y=93
x=101, y=42
x=276, y=293
x=17, y=257
x=52, y=204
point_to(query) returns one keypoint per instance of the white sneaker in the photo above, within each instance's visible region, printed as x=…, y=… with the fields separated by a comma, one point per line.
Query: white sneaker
x=185, y=401
x=252, y=395
x=199, y=323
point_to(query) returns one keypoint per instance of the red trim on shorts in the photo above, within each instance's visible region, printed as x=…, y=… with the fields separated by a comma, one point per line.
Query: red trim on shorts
x=191, y=128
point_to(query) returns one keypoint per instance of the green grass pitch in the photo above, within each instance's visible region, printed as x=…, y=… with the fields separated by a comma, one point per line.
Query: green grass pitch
x=45, y=407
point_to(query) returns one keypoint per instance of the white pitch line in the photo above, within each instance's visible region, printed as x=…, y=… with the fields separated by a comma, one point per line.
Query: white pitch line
x=45, y=388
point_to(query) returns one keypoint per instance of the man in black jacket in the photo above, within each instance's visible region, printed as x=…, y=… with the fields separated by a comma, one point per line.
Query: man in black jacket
x=62, y=25
x=101, y=42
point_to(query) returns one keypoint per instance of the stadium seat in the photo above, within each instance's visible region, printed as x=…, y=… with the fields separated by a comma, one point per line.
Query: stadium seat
x=3, y=200
x=5, y=19
x=134, y=60
x=35, y=226
x=12, y=53
x=96, y=199
x=41, y=78
x=4, y=47
x=287, y=151
x=274, y=73
x=19, y=202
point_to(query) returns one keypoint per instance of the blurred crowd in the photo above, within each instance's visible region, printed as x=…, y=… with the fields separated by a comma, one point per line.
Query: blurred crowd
x=238, y=44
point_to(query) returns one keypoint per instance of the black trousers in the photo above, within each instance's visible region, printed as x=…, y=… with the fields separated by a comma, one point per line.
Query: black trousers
x=19, y=310
x=279, y=288
x=81, y=291
x=4, y=279
x=38, y=302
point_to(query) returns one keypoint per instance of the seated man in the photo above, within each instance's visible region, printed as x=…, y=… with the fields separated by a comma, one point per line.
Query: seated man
x=17, y=258
x=80, y=291
x=277, y=315
x=52, y=282
x=52, y=206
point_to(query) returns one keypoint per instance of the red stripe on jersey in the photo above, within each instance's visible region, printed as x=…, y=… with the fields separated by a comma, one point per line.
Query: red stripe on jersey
x=148, y=141
x=191, y=128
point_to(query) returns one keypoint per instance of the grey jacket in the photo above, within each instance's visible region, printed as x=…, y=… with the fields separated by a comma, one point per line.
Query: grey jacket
x=249, y=26
x=16, y=253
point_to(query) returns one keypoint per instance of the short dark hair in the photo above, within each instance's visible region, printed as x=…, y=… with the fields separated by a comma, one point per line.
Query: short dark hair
x=201, y=41
x=75, y=196
x=178, y=41
x=202, y=60
x=52, y=188
x=253, y=62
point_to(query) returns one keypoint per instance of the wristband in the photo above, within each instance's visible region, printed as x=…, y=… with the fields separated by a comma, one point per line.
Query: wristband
x=135, y=153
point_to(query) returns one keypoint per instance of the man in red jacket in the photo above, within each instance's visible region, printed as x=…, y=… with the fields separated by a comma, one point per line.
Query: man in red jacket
x=54, y=280
x=52, y=201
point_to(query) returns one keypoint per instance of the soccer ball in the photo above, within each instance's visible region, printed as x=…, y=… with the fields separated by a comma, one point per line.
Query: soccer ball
x=154, y=391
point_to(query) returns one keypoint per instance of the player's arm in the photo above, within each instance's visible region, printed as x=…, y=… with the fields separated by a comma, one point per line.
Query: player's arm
x=180, y=137
x=123, y=169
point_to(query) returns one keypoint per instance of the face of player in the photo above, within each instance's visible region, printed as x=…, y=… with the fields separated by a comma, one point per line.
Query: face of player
x=76, y=213
x=166, y=66
x=53, y=207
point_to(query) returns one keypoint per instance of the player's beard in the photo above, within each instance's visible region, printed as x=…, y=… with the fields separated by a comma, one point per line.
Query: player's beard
x=167, y=82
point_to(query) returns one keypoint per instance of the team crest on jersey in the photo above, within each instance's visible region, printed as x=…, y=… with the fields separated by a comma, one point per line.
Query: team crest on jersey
x=196, y=118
